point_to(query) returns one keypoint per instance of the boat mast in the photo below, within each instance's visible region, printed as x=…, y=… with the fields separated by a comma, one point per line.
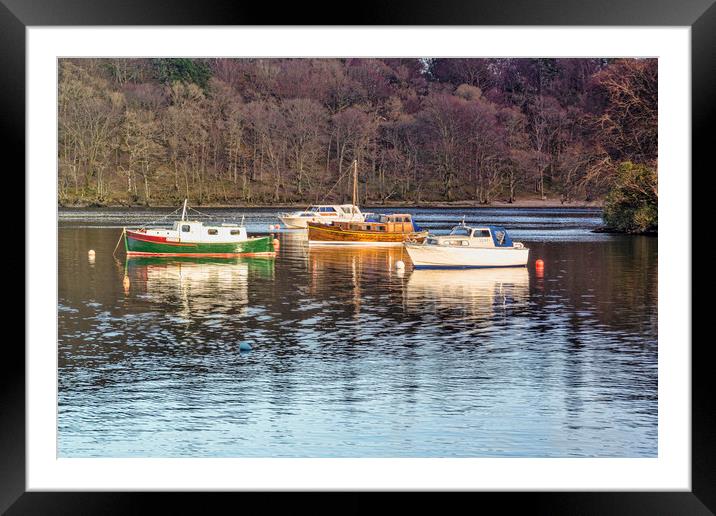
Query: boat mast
x=355, y=184
x=183, y=213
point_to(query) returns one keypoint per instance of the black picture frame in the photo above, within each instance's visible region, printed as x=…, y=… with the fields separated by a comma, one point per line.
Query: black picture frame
x=17, y=15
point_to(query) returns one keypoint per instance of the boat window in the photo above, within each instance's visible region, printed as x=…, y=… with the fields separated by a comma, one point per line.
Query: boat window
x=306, y=214
x=481, y=233
x=186, y=228
x=327, y=209
x=235, y=231
x=460, y=231
x=212, y=231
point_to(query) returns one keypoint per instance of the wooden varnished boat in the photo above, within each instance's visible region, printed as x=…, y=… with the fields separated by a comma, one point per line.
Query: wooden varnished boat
x=372, y=229
x=394, y=229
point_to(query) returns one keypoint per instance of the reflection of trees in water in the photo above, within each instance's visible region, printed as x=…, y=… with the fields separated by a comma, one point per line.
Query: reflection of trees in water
x=598, y=303
x=611, y=283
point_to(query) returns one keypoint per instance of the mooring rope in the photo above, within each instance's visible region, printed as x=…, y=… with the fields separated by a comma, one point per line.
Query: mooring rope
x=118, y=241
x=160, y=219
x=203, y=214
x=340, y=178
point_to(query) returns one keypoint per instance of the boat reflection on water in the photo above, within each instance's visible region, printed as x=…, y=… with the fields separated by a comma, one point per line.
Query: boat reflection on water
x=483, y=292
x=197, y=285
x=359, y=260
x=350, y=273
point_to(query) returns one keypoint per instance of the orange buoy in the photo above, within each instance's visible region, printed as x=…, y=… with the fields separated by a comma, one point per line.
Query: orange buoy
x=276, y=243
x=539, y=264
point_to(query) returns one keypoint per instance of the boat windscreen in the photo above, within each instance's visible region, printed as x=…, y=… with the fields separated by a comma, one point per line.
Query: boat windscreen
x=459, y=230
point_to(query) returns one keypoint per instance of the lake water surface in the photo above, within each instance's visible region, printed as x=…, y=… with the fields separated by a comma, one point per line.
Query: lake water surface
x=353, y=358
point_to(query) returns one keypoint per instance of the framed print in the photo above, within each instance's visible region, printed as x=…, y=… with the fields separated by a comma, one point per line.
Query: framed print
x=415, y=253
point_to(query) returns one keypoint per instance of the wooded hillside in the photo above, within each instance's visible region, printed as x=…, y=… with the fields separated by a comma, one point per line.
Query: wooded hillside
x=262, y=131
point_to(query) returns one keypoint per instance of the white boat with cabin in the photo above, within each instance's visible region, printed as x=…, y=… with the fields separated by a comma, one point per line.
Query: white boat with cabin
x=194, y=238
x=468, y=247
x=322, y=213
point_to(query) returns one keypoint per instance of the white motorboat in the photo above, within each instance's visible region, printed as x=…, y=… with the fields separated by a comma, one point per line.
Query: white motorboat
x=468, y=247
x=327, y=213
x=322, y=213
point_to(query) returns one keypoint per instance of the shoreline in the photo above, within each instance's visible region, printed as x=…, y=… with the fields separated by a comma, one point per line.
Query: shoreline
x=519, y=203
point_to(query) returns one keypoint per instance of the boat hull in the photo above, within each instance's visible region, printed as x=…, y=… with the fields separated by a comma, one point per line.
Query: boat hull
x=321, y=234
x=449, y=257
x=302, y=222
x=295, y=222
x=139, y=244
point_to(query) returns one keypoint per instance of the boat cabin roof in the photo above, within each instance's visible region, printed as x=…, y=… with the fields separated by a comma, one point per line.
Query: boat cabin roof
x=334, y=207
x=199, y=224
x=498, y=234
x=392, y=217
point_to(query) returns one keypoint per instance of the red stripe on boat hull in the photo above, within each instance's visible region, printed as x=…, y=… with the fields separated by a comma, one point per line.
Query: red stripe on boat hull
x=206, y=255
x=155, y=239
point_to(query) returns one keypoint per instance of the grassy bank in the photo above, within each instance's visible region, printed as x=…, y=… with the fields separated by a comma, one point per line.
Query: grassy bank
x=518, y=203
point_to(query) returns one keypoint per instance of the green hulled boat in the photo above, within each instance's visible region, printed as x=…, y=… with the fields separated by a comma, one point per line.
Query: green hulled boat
x=194, y=238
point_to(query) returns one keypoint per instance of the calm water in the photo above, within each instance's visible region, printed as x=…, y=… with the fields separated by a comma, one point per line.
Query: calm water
x=352, y=358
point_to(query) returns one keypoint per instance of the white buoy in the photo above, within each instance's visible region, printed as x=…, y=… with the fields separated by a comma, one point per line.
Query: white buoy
x=400, y=265
x=90, y=253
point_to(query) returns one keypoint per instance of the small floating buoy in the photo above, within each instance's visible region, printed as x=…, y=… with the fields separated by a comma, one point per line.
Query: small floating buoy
x=244, y=346
x=90, y=253
x=539, y=264
x=400, y=265
x=125, y=283
x=276, y=243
